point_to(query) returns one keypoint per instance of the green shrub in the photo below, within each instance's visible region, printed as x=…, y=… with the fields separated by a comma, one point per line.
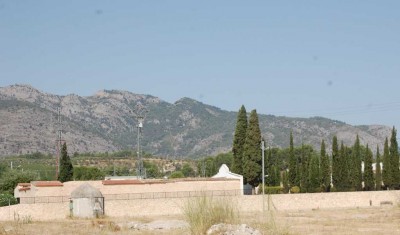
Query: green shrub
x=7, y=199
x=176, y=175
x=271, y=190
x=295, y=189
x=203, y=212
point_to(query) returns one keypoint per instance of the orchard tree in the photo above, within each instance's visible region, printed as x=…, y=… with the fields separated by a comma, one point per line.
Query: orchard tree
x=239, y=141
x=252, y=151
x=66, y=168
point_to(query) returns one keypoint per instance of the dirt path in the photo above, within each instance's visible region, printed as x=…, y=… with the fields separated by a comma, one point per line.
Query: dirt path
x=343, y=221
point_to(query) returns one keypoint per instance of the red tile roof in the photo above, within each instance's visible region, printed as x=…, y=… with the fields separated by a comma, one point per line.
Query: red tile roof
x=136, y=182
x=121, y=182
x=47, y=183
x=131, y=182
x=24, y=189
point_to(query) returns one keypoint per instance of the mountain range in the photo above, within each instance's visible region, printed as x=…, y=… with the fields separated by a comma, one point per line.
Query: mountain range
x=107, y=122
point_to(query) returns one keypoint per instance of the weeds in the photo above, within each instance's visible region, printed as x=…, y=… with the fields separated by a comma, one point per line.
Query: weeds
x=106, y=225
x=203, y=212
x=26, y=219
x=267, y=224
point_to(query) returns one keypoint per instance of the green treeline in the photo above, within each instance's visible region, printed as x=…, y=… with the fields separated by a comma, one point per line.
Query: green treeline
x=301, y=168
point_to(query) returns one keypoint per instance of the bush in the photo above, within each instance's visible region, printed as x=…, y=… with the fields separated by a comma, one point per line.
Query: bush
x=176, y=175
x=7, y=199
x=203, y=212
x=271, y=190
x=295, y=189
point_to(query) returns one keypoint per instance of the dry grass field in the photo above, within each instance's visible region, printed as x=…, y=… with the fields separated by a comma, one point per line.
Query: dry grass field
x=385, y=220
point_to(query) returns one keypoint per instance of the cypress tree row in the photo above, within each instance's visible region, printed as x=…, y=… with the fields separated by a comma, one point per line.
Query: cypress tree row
x=386, y=172
x=252, y=151
x=335, y=163
x=239, y=140
x=325, y=169
x=378, y=172
x=355, y=171
x=394, y=160
x=292, y=164
x=369, y=183
x=66, y=168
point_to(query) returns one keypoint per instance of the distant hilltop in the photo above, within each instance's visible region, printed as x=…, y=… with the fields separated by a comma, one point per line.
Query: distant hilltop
x=104, y=122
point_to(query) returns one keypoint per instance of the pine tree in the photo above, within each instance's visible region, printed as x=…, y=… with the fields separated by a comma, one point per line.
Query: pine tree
x=386, y=172
x=293, y=178
x=394, y=160
x=378, y=172
x=325, y=169
x=66, y=168
x=355, y=166
x=239, y=140
x=335, y=163
x=252, y=151
x=369, y=183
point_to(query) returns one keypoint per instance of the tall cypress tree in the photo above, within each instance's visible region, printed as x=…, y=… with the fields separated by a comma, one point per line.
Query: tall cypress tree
x=369, y=183
x=343, y=183
x=252, y=151
x=272, y=171
x=293, y=178
x=239, y=140
x=313, y=175
x=66, y=168
x=394, y=159
x=335, y=164
x=325, y=169
x=304, y=175
x=386, y=172
x=355, y=166
x=378, y=172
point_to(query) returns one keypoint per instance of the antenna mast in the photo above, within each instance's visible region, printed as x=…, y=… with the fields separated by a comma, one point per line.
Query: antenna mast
x=59, y=141
x=140, y=114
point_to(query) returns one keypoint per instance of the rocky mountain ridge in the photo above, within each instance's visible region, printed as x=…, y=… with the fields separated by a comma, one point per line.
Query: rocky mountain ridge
x=106, y=122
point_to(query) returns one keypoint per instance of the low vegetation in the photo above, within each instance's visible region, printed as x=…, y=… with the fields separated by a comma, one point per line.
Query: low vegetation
x=203, y=212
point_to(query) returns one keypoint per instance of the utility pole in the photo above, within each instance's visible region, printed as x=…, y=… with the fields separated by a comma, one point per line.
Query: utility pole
x=263, y=172
x=140, y=114
x=59, y=141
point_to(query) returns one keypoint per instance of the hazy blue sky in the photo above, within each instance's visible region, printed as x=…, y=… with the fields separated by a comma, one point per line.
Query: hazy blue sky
x=337, y=59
